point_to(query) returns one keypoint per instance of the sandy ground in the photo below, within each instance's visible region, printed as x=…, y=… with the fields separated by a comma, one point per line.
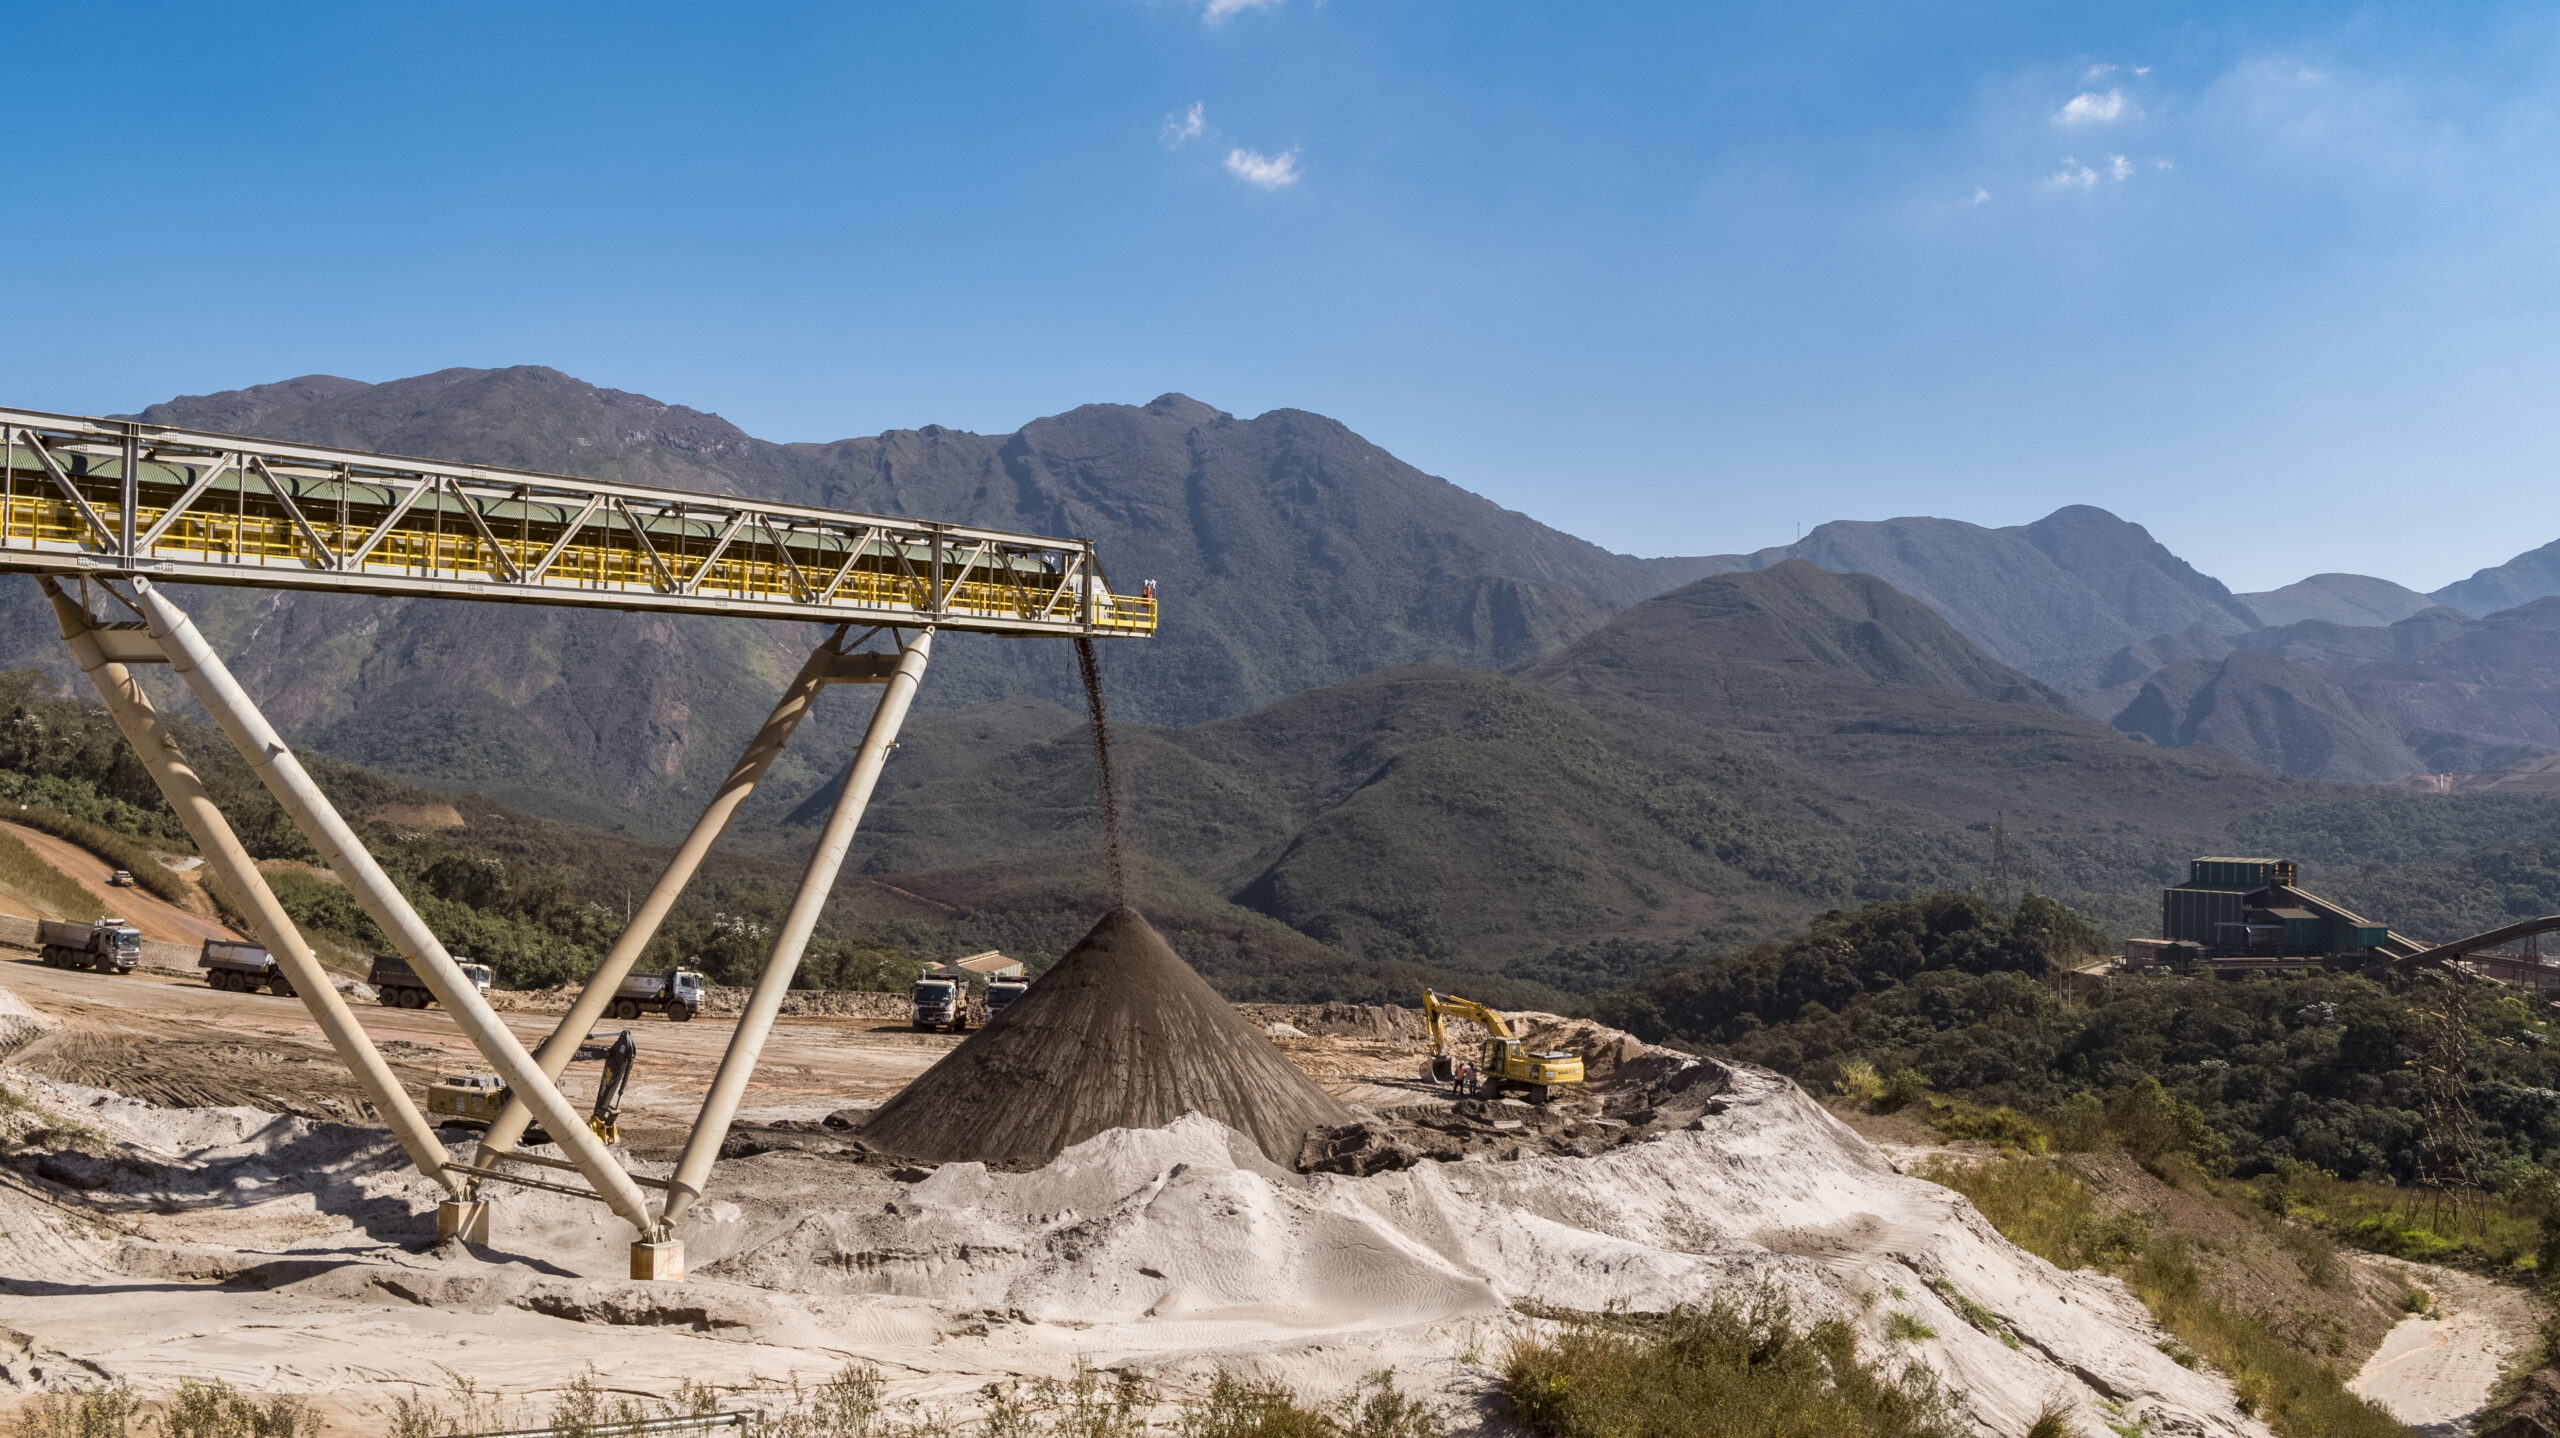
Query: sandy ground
x=177, y=1040
x=2435, y=1374
x=151, y=1241
x=155, y=917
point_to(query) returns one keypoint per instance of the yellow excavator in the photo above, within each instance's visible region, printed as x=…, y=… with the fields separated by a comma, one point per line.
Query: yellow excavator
x=1507, y=1063
x=472, y=1101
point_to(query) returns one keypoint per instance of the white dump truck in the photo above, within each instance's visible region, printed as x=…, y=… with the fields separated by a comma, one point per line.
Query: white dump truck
x=242, y=968
x=942, y=1002
x=111, y=946
x=677, y=995
x=1001, y=993
x=398, y=986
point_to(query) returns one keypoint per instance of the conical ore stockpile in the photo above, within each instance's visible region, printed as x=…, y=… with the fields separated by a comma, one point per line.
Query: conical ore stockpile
x=1120, y=1034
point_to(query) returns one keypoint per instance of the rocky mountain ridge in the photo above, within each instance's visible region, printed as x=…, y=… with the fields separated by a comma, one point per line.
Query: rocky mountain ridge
x=1294, y=555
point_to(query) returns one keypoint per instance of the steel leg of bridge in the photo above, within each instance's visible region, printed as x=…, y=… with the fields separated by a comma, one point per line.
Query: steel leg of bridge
x=184, y=789
x=720, y=1106
x=210, y=681
x=821, y=670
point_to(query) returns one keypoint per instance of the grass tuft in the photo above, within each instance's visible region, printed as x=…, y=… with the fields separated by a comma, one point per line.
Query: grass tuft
x=43, y=885
x=2053, y=1421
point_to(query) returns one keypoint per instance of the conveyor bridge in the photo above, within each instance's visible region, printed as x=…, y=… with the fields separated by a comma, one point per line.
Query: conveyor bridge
x=90, y=496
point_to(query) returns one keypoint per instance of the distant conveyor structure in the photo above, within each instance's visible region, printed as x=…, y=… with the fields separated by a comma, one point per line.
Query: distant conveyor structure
x=116, y=508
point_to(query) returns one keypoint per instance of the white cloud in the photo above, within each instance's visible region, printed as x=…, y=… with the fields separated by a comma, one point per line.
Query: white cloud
x=1270, y=172
x=2164, y=164
x=2119, y=168
x=1191, y=124
x=1218, y=12
x=1981, y=196
x=2091, y=108
x=2074, y=176
x=2142, y=69
x=2098, y=72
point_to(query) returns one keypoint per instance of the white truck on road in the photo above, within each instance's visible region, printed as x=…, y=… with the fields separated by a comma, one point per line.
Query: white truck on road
x=398, y=985
x=242, y=968
x=111, y=946
x=942, y=1002
x=677, y=995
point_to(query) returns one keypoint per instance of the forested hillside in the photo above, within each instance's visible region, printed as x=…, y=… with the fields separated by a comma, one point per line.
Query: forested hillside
x=1957, y=994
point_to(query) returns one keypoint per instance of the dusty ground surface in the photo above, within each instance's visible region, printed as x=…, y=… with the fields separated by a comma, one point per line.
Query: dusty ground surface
x=173, y=1040
x=151, y=1241
x=2435, y=1371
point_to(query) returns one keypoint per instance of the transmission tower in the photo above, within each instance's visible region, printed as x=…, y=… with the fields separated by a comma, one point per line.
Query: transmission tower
x=2449, y=1133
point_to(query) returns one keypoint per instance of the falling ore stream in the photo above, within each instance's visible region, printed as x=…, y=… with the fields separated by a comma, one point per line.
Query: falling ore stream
x=1089, y=664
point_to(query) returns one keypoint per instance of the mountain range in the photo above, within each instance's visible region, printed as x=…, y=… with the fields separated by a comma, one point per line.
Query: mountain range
x=1391, y=727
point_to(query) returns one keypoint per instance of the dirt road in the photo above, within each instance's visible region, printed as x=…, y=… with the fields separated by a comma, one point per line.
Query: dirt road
x=156, y=918
x=2435, y=1373
x=177, y=1042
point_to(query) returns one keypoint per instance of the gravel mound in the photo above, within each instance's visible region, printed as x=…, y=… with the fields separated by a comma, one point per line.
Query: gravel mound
x=1120, y=1034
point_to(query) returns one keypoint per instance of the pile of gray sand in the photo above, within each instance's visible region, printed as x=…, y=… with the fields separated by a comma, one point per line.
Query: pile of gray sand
x=1120, y=1034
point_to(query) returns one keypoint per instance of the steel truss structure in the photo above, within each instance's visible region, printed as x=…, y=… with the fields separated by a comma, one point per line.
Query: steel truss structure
x=133, y=506
x=90, y=496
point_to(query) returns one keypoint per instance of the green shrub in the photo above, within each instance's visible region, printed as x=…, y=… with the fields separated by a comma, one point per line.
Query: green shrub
x=2080, y=1126
x=2149, y=1122
x=1907, y=1087
x=2005, y=1126
x=108, y=1412
x=1236, y=1408
x=1859, y=1080
x=215, y=1409
x=1730, y=1370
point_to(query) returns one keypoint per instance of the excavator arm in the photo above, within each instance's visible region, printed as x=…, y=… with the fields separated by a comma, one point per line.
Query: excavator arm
x=1434, y=1005
x=606, y=1118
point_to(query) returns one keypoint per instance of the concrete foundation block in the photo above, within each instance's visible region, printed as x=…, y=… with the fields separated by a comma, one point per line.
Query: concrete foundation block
x=463, y=1218
x=658, y=1262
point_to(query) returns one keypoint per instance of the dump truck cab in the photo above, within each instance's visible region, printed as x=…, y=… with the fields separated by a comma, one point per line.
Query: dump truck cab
x=941, y=1002
x=1001, y=994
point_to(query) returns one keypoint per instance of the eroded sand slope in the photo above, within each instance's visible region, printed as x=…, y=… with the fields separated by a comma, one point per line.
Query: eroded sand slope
x=287, y=1254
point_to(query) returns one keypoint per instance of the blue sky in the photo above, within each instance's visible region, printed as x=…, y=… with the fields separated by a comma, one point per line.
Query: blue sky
x=2278, y=282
